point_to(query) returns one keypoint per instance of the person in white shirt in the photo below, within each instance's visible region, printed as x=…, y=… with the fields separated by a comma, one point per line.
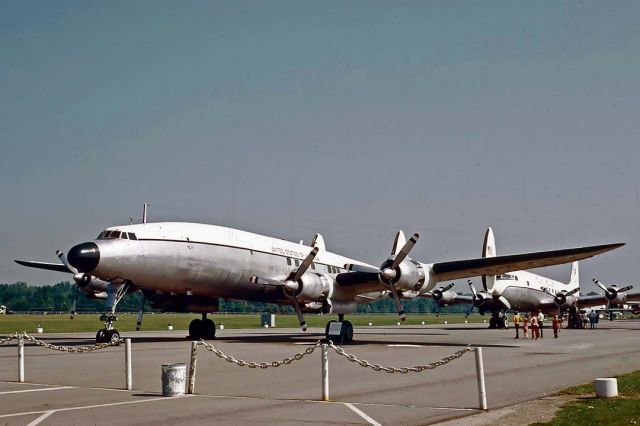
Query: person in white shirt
x=540, y=322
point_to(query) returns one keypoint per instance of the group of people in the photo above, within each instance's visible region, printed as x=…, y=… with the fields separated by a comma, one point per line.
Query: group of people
x=535, y=322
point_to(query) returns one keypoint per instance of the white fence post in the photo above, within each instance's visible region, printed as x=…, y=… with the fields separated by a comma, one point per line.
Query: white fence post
x=191, y=384
x=127, y=359
x=21, y=358
x=482, y=393
x=325, y=372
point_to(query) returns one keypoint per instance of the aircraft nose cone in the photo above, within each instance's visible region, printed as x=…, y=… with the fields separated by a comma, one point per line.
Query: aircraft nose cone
x=84, y=257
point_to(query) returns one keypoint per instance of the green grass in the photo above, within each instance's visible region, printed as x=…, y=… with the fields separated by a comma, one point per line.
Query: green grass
x=126, y=322
x=624, y=410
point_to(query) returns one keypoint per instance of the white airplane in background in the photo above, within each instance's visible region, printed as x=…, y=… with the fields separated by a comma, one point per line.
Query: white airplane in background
x=187, y=267
x=527, y=292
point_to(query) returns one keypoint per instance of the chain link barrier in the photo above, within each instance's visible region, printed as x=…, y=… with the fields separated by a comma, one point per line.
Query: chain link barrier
x=242, y=363
x=68, y=349
x=9, y=338
x=340, y=351
x=403, y=370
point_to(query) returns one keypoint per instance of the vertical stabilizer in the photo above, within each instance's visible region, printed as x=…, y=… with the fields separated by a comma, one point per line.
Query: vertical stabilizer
x=318, y=241
x=489, y=250
x=574, y=281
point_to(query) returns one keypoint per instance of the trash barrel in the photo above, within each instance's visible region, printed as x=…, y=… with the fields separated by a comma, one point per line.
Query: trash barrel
x=174, y=378
x=606, y=387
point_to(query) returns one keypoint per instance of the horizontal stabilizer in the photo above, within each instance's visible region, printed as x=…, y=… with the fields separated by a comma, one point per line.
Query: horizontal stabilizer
x=446, y=271
x=44, y=265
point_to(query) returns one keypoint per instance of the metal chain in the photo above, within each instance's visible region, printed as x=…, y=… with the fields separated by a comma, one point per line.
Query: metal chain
x=403, y=370
x=9, y=338
x=81, y=349
x=242, y=363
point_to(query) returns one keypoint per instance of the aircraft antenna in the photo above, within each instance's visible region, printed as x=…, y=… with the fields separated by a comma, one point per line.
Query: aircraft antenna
x=144, y=212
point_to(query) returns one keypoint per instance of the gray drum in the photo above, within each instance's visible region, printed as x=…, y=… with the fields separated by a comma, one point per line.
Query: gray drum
x=174, y=377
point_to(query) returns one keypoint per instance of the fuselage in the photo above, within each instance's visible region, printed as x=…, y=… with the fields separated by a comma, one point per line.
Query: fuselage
x=205, y=260
x=526, y=291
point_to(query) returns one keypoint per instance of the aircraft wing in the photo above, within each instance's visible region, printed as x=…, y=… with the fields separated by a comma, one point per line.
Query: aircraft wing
x=58, y=267
x=446, y=271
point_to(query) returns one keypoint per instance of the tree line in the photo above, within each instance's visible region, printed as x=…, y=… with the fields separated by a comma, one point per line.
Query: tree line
x=19, y=297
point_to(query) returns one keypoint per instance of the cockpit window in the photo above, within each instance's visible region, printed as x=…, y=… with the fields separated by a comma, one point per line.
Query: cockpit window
x=124, y=236
x=115, y=234
x=506, y=277
x=101, y=235
x=132, y=236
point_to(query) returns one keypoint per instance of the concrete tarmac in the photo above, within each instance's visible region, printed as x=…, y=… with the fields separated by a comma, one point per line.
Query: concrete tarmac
x=65, y=388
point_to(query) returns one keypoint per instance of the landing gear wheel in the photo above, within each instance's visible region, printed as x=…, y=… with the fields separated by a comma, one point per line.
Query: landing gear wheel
x=209, y=329
x=101, y=336
x=504, y=323
x=347, y=332
x=113, y=337
x=326, y=330
x=492, y=322
x=196, y=329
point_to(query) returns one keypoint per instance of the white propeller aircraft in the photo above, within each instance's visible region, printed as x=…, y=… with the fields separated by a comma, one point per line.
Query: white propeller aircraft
x=187, y=267
x=525, y=291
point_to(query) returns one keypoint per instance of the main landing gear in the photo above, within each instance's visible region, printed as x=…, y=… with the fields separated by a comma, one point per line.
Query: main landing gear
x=343, y=334
x=498, y=320
x=202, y=329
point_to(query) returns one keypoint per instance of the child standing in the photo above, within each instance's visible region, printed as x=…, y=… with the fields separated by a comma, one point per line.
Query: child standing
x=525, y=327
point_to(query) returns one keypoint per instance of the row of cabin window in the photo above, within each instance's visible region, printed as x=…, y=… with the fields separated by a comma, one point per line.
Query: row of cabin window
x=332, y=269
x=105, y=235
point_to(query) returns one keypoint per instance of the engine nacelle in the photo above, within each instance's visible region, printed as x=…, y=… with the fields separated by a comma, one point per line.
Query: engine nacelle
x=313, y=286
x=410, y=276
x=447, y=298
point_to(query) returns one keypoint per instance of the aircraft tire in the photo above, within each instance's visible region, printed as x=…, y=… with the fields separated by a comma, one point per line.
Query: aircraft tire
x=196, y=329
x=101, y=336
x=326, y=330
x=209, y=329
x=347, y=332
x=112, y=336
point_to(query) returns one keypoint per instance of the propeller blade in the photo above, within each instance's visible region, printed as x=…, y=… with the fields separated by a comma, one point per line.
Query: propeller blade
x=63, y=259
x=74, y=305
x=505, y=302
x=473, y=289
x=437, y=307
x=572, y=292
x=398, y=242
x=468, y=311
x=306, y=263
x=602, y=286
x=396, y=300
x=296, y=306
x=447, y=287
x=623, y=289
x=140, y=311
x=404, y=251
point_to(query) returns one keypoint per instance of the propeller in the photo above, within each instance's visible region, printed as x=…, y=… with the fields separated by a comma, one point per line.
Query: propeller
x=437, y=295
x=389, y=270
x=611, y=293
x=292, y=284
x=561, y=298
x=477, y=299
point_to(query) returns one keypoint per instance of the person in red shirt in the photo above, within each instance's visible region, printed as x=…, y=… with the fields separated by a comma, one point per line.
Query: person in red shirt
x=555, y=323
x=535, y=331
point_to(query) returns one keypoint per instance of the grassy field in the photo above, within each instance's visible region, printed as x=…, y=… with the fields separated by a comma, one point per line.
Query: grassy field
x=624, y=410
x=152, y=322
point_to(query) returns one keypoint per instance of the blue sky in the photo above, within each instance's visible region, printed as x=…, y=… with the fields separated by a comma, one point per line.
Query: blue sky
x=347, y=118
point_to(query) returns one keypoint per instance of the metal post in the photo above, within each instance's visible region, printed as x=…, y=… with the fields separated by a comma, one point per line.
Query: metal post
x=482, y=393
x=21, y=358
x=325, y=372
x=127, y=358
x=191, y=383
